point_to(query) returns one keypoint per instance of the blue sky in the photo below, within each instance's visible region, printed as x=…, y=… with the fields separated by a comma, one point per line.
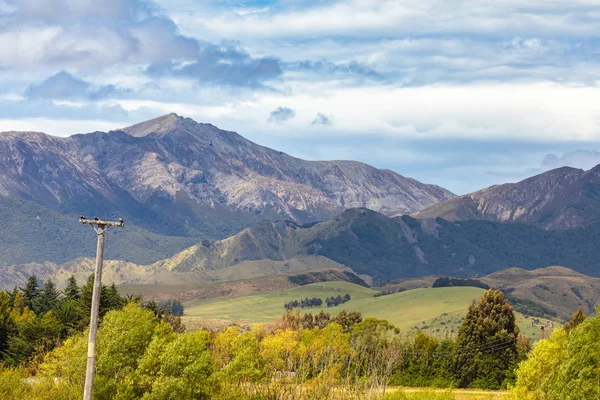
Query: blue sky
x=464, y=94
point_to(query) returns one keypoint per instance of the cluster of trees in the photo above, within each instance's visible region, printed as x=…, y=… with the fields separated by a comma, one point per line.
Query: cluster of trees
x=173, y=307
x=141, y=356
x=565, y=366
x=336, y=301
x=34, y=318
x=332, y=301
x=445, y=281
x=304, y=303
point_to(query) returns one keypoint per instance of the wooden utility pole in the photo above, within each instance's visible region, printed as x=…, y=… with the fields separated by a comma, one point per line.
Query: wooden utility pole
x=100, y=227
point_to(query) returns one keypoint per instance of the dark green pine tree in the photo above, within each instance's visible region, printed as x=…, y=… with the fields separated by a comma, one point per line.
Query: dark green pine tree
x=485, y=353
x=113, y=300
x=12, y=295
x=109, y=300
x=71, y=291
x=31, y=291
x=48, y=297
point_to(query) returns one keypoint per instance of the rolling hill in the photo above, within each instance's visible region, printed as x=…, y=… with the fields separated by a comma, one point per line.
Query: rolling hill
x=559, y=199
x=437, y=311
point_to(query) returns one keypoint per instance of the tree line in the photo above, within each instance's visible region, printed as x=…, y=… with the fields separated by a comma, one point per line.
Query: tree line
x=142, y=356
x=36, y=318
x=332, y=301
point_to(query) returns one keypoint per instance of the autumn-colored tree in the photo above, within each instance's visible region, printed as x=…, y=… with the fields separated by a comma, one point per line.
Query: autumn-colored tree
x=576, y=319
x=486, y=347
x=347, y=319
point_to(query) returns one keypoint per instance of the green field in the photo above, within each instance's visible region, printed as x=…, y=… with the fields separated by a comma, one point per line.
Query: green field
x=438, y=311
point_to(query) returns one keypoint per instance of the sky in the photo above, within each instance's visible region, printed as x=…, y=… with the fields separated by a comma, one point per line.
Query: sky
x=463, y=94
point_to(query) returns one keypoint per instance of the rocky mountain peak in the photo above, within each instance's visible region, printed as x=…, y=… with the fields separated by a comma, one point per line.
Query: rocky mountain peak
x=155, y=127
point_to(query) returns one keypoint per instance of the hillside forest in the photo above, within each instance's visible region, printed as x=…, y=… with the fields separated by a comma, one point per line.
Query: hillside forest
x=144, y=352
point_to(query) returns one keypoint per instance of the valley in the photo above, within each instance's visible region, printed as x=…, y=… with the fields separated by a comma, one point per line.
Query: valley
x=438, y=311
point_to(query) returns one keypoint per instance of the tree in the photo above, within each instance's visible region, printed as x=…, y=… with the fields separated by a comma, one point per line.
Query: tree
x=576, y=319
x=536, y=374
x=71, y=291
x=347, y=319
x=109, y=300
x=31, y=291
x=7, y=325
x=486, y=347
x=322, y=319
x=47, y=298
x=12, y=295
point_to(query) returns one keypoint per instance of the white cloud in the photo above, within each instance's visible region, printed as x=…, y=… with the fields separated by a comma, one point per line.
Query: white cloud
x=397, y=17
x=535, y=112
x=584, y=159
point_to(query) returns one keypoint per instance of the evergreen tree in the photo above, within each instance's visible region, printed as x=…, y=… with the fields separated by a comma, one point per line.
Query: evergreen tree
x=576, y=319
x=7, y=325
x=71, y=291
x=31, y=291
x=109, y=300
x=486, y=347
x=48, y=297
x=113, y=300
x=12, y=295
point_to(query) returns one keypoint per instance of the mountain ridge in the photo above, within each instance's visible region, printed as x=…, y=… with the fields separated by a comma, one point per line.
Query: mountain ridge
x=175, y=177
x=372, y=245
x=558, y=199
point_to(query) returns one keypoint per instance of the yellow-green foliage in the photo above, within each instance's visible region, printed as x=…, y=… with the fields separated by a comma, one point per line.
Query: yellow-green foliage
x=420, y=395
x=12, y=386
x=563, y=367
x=140, y=357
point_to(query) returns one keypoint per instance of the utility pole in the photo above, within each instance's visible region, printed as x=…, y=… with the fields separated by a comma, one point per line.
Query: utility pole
x=100, y=227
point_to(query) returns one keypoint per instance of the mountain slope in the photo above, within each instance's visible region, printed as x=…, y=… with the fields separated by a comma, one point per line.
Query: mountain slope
x=559, y=199
x=390, y=248
x=370, y=244
x=175, y=177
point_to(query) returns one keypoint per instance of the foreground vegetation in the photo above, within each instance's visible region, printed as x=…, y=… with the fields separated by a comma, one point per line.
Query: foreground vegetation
x=141, y=355
x=145, y=353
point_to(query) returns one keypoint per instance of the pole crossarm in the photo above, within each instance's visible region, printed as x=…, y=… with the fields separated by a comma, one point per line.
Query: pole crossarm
x=100, y=227
x=99, y=222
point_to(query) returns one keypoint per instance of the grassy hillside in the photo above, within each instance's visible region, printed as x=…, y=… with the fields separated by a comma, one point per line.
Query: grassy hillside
x=555, y=291
x=438, y=311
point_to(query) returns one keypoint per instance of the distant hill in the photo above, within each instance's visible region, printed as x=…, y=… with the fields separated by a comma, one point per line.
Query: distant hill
x=174, y=177
x=559, y=199
x=553, y=291
x=370, y=244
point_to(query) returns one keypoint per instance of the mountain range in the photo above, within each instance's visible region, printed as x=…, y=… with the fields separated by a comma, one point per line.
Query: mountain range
x=206, y=205
x=178, y=180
